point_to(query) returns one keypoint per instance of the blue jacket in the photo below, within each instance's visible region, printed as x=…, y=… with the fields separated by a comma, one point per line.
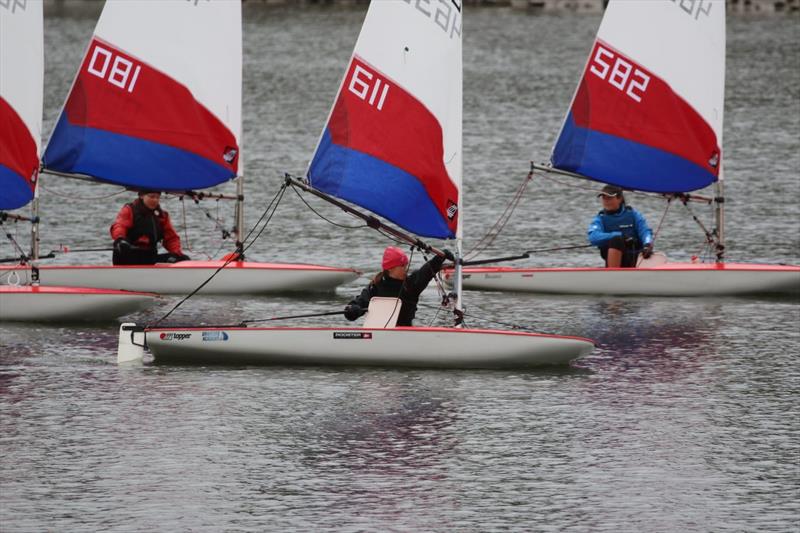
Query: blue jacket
x=627, y=222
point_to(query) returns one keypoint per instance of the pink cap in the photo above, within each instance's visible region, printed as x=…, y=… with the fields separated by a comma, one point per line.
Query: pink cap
x=393, y=257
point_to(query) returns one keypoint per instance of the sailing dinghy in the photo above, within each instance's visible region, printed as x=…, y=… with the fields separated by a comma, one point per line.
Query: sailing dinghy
x=156, y=104
x=21, y=90
x=647, y=116
x=392, y=145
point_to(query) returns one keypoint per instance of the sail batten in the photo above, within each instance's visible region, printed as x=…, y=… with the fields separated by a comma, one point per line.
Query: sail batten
x=21, y=97
x=648, y=111
x=392, y=142
x=156, y=102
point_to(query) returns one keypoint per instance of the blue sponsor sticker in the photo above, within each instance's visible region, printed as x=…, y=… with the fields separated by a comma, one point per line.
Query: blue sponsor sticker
x=215, y=336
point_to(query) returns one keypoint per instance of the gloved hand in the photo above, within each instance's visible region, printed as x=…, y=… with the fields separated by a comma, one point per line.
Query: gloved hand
x=449, y=255
x=122, y=245
x=352, y=312
x=647, y=251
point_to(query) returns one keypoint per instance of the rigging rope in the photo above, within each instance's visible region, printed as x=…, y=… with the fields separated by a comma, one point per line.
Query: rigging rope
x=495, y=230
x=81, y=197
x=273, y=205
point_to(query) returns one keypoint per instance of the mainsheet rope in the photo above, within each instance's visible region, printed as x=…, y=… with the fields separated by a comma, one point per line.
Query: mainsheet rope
x=271, y=208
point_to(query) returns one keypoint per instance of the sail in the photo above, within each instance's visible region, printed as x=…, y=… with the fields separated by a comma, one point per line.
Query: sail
x=156, y=103
x=21, y=77
x=647, y=114
x=392, y=142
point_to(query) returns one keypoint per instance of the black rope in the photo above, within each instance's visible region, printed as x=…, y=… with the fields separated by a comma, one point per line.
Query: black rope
x=24, y=257
x=309, y=315
x=329, y=221
x=500, y=224
x=276, y=200
x=523, y=255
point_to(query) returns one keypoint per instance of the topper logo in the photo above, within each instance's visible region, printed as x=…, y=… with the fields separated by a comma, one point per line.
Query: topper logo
x=175, y=336
x=452, y=209
x=689, y=6
x=120, y=70
x=623, y=74
x=360, y=85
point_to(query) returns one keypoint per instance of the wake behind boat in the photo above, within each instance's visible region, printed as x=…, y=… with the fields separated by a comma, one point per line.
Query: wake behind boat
x=393, y=145
x=648, y=116
x=152, y=108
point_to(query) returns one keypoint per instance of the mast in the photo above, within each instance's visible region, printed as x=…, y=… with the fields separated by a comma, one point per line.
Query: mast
x=239, y=211
x=719, y=215
x=35, y=222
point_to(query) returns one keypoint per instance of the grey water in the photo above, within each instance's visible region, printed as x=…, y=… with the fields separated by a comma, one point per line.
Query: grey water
x=684, y=418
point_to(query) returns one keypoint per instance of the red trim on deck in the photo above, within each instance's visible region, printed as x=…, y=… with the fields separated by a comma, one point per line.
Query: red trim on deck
x=670, y=267
x=202, y=264
x=45, y=289
x=409, y=329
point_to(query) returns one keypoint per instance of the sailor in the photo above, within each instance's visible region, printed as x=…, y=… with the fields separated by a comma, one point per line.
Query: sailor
x=394, y=281
x=139, y=227
x=620, y=231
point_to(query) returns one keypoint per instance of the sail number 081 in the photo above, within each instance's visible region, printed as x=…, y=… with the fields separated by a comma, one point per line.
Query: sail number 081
x=120, y=72
x=620, y=73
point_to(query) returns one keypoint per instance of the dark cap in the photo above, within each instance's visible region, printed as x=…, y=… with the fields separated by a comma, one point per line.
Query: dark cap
x=610, y=190
x=142, y=192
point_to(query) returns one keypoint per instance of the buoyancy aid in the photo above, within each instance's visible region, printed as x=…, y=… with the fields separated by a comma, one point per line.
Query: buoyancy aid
x=623, y=221
x=148, y=228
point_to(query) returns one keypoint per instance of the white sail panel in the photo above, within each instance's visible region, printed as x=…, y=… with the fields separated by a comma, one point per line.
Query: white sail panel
x=157, y=100
x=680, y=41
x=21, y=92
x=648, y=111
x=196, y=43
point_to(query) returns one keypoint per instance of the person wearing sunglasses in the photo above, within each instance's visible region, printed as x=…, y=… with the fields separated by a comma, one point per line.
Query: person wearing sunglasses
x=139, y=227
x=620, y=231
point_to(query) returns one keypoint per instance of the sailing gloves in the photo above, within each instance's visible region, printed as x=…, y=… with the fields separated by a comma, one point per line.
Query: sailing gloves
x=122, y=245
x=353, y=311
x=449, y=255
x=647, y=251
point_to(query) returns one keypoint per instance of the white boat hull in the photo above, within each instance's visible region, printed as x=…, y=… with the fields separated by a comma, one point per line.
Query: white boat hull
x=44, y=304
x=670, y=279
x=399, y=347
x=186, y=276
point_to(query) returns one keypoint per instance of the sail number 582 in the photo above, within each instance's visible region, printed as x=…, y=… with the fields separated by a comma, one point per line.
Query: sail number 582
x=620, y=73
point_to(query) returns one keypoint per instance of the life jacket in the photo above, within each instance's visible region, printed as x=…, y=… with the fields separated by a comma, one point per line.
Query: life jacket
x=394, y=288
x=148, y=228
x=622, y=221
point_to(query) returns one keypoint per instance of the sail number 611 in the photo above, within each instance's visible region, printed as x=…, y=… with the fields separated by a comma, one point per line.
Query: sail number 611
x=620, y=73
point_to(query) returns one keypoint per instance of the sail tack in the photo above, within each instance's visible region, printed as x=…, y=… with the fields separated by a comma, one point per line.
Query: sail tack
x=156, y=102
x=21, y=77
x=392, y=143
x=648, y=111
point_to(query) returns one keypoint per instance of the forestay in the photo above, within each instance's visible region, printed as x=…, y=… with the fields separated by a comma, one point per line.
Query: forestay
x=392, y=143
x=647, y=114
x=21, y=76
x=157, y=100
